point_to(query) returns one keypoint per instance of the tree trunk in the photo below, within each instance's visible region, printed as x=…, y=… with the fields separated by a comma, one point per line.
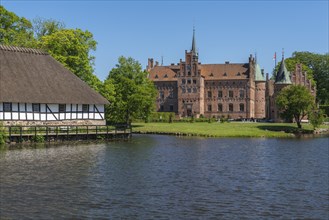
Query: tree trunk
x=299, y=125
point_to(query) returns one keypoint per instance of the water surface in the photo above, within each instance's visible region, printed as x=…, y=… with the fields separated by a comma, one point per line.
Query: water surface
x=166, y=177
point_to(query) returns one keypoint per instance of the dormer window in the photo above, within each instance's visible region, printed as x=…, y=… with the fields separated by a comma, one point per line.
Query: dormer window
x=211, y=74
x=166, y=76
x=156, y=76
x=239, y=74
x=225, y=74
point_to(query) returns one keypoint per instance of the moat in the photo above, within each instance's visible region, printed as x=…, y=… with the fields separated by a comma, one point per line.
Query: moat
x=167, y=177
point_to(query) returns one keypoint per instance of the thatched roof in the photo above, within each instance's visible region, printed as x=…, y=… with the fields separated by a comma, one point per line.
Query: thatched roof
x=33, y=76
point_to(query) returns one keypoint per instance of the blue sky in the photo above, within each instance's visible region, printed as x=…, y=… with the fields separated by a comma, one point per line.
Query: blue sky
x=225, y=30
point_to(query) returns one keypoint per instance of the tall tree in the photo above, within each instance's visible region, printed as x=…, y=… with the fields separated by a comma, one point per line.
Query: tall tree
x=43, y=27
x=15, y=31
x=295, y=102
x=72, y=47
x=134, y=93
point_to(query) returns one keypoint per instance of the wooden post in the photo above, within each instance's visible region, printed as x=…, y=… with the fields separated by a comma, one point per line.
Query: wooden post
x=20, y=133
x=9, y=133
x=47, y=133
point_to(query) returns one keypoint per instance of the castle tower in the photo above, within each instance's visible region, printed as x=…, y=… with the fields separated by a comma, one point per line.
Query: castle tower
x=260, y=89
x=282, y=80
x=191, y=84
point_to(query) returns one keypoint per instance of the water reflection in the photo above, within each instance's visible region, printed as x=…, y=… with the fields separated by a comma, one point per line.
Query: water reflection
x=168, y=177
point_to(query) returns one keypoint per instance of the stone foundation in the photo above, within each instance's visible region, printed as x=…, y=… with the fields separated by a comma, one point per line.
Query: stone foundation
x=54, y=123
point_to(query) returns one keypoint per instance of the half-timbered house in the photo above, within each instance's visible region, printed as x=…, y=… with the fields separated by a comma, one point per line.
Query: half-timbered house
x=35, y=89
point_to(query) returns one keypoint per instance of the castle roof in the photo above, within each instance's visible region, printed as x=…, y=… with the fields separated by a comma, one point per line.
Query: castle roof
x=32, y=76
x=259, y=75
x=283, y=75
x=208, y=71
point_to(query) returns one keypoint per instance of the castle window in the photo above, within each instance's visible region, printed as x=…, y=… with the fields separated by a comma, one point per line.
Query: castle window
x=161, y=95
x=189, y=90
x=171, y=94
x=194, y=90
x=220, y=94
x=241, y=93
x=209, y=94
x=171, y=108
x=7, y=106
x=35, y=107
x=183, y=81
x=161, y=108
x=230, y=94
x=241, y=107
x=183, y=90
x=230, y=107
x=194, y=81
x=189, y=81
x=220, y=107
x=189, y=73
x=209, y=108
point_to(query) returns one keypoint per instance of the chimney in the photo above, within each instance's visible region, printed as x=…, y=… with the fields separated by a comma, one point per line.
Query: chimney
x=150, y=63
x=156, y=63
x=227, y=62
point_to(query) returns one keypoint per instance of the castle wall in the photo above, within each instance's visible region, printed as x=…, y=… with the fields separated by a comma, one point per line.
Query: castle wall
x=260, y=102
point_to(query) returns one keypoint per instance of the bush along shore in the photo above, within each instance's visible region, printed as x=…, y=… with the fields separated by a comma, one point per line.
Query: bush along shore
x=232, y=129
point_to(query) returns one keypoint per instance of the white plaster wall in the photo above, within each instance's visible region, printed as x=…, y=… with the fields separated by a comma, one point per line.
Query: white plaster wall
x=53, y=115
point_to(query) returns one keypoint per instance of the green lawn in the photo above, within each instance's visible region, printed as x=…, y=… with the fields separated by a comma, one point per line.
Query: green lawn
x=233, y=129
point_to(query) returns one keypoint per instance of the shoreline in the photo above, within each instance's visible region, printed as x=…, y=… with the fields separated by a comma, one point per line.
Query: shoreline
x=181, y=134
x=231, y=130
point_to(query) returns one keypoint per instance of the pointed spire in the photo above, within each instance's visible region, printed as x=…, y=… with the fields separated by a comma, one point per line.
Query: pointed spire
x=194, y=50
x=283, y=75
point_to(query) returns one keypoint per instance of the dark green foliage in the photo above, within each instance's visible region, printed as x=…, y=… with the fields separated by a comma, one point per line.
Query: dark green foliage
x=325, y=109
x=295, y=102
x=161, y=117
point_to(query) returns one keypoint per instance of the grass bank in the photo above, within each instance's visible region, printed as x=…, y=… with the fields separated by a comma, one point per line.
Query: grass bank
x=233, y=129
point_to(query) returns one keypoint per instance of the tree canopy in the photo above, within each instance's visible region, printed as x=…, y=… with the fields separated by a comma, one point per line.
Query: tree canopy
x=16, y=31
x=295, y=102
x=71, y=47
x=134, y=92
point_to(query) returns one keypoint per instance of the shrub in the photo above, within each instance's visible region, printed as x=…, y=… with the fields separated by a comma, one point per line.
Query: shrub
x=38, y=139
x=3, y=135
x=316, y=118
